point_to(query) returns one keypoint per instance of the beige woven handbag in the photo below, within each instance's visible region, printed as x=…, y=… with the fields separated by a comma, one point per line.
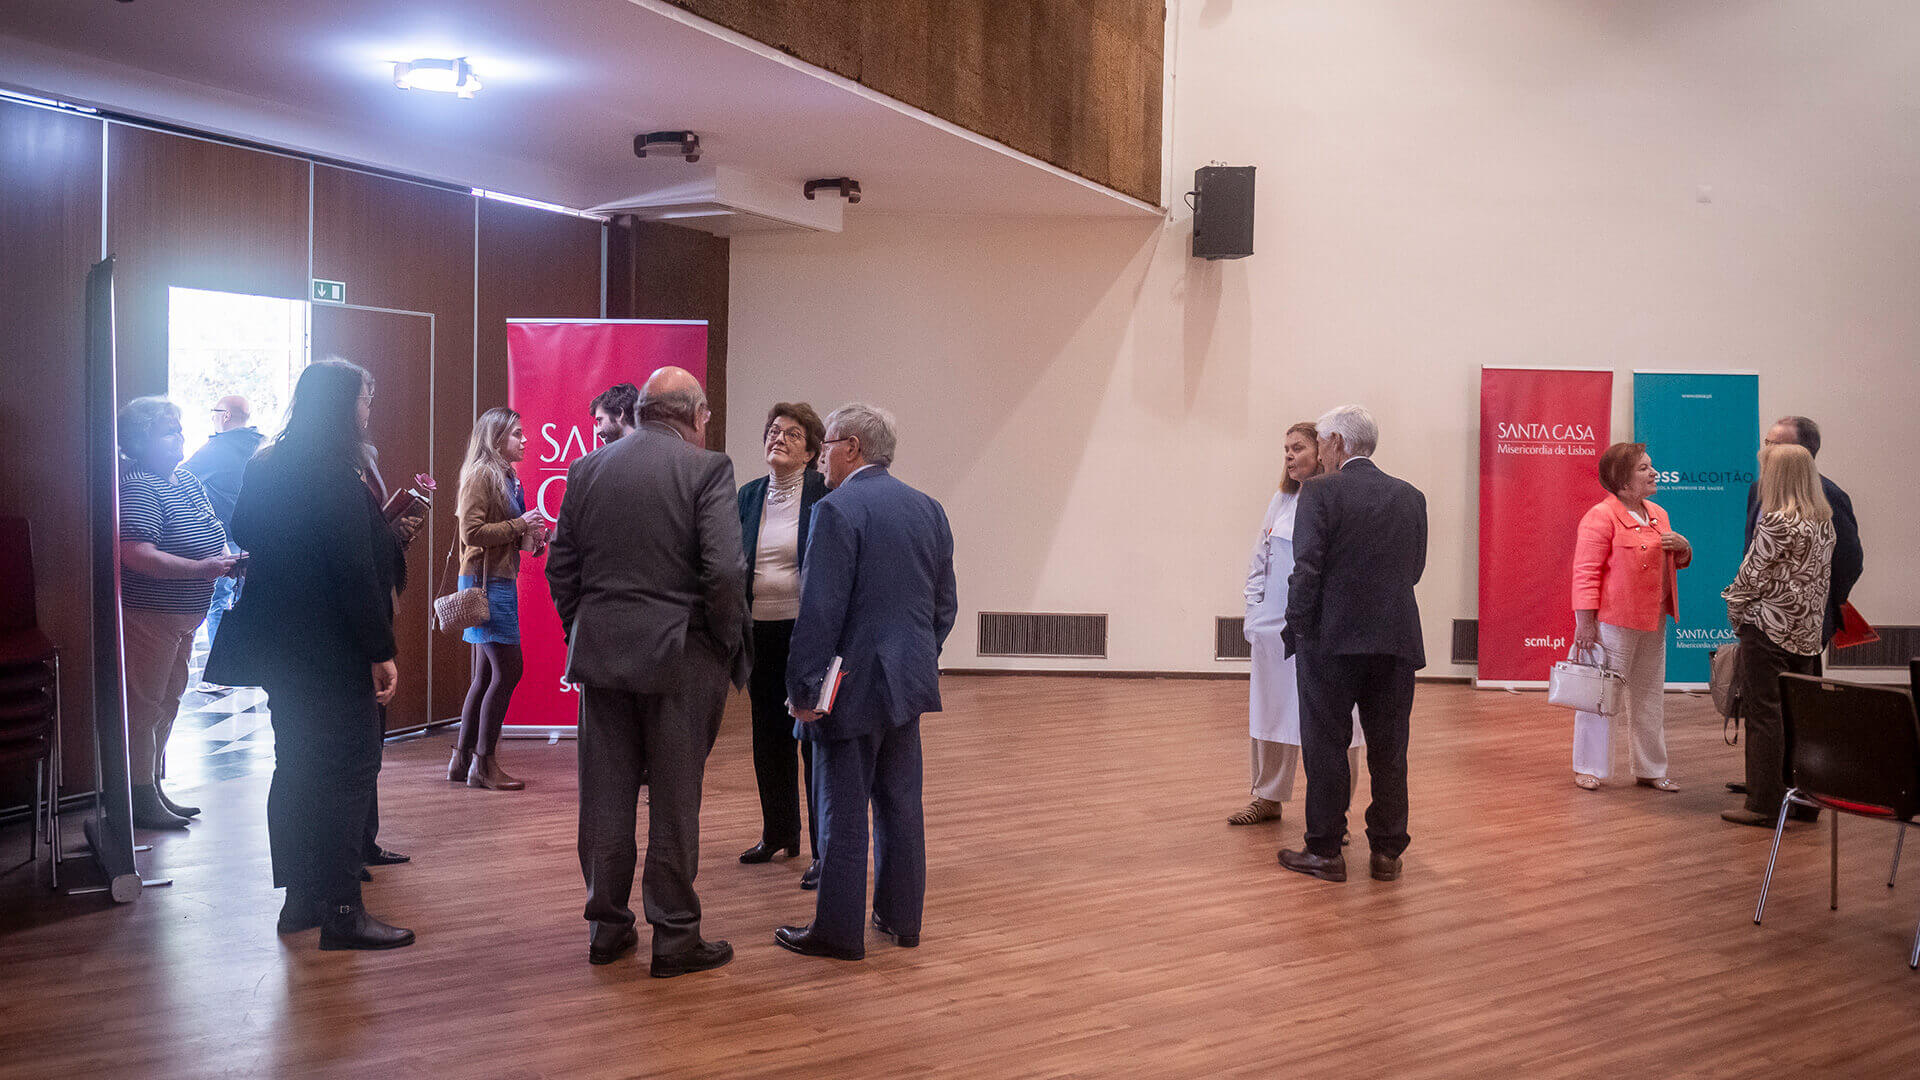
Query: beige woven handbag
x=461, y=609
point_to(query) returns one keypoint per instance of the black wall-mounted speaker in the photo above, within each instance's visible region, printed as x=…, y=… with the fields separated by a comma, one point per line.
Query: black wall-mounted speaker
x=1222, y=199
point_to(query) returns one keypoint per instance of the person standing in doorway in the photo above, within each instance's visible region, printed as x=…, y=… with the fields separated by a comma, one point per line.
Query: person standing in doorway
x=218, y=465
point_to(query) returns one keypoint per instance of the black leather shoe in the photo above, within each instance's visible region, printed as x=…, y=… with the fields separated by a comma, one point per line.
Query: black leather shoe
x=384, y=857
x=348, y=926
x=366, y=874
x=615, y=949
x=801, y=939
x=905, y=941
x=702, y=957
x=811, y=879
x=183, y=811
x=1384, y=867
x=764, y=852
x=298, y=914
x=1326, y=868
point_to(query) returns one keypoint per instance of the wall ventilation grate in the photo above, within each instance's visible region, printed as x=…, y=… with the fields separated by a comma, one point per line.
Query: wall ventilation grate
x=1230, y=638
x=1030, y=633
x=1466, y=641
x=1897, y=645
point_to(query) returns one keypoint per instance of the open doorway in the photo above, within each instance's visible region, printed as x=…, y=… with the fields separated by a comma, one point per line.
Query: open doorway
x=223, y=344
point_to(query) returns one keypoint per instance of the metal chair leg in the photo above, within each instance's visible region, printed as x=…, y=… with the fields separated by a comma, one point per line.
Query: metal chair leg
x=1833, y=850
x=1913, y=961
x=1779, y=827
x=39, y=820
x=1897, y=845
x=53, y=780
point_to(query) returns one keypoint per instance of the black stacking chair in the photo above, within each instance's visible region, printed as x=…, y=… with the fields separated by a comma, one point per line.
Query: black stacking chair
x=1852, y=749
x=29, y=688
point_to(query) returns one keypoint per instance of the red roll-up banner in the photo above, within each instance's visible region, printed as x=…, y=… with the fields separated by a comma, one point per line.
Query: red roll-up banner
x=555, y=368
x=1541, y=434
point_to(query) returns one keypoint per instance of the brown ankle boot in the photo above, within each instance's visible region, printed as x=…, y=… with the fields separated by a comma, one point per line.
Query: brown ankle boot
x=486, y=773
x=457, y=768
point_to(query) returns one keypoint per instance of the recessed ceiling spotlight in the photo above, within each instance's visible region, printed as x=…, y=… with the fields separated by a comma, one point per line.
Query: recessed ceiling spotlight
x=441, y=76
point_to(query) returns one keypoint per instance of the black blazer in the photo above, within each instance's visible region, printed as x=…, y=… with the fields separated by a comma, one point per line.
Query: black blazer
x=1359, y=546
x=646, y=561
x=753, y=499
x=1848, y=560
x=318, y=601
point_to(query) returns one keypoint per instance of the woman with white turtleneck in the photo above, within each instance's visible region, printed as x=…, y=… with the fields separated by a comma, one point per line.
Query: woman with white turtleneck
x=774, y=513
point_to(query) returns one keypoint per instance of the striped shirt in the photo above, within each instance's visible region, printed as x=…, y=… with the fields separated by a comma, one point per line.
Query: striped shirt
x=175, y=517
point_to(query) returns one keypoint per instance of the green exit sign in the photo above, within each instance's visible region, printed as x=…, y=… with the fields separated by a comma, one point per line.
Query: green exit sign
x=329, y=292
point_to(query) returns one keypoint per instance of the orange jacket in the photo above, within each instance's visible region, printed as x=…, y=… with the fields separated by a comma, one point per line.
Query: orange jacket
x=1620, y=569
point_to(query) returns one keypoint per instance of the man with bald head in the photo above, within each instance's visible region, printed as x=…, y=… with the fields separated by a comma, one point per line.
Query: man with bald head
x=649, y=577
x=218, y=466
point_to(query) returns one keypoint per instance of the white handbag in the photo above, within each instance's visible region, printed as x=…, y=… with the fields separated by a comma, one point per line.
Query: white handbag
x=1590, y=688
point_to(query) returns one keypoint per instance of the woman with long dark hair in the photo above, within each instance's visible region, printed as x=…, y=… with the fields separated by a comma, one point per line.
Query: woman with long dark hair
x=495, y=525
x=315, y=628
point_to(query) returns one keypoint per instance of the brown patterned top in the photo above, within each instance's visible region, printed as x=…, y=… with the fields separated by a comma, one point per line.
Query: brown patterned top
x=1782, y=584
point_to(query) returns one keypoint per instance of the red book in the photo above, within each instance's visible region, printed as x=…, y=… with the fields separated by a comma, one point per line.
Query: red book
x=1854, y=629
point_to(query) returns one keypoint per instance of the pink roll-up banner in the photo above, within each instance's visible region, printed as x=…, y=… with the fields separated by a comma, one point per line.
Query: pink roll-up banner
x=1541, y=434
x=555, y=368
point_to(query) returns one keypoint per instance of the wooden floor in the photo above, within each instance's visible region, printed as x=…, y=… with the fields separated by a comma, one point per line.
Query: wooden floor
x=1089, y=914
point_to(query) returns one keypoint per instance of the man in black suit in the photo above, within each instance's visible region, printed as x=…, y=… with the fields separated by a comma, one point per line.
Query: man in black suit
x=648, y=575
x=1360, y=545
x=1766, y=742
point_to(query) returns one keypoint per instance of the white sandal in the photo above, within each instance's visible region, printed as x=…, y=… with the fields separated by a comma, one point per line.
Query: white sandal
x=1586, y=781
x=1662, y=784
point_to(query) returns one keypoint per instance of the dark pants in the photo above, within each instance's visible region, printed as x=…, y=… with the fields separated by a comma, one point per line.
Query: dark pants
x=1761, y=665
x=774, y=744
x=326, y=762
x=884, y=770
x=1330, y=687
x=663, y=738
x=496, y=671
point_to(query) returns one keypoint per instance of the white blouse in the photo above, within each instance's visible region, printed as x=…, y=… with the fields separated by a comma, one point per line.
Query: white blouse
x=776, y=562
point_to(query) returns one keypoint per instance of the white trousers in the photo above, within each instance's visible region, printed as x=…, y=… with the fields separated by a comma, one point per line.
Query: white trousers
x=1640, y=656
x=1274, y=764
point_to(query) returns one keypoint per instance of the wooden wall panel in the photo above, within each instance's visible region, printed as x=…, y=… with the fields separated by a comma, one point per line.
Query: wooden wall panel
x=410, y=247
x=395, y=349
x=49, y=236
x=532, y=263
x=659, y=271
x=1076, y=83
x=197, y=214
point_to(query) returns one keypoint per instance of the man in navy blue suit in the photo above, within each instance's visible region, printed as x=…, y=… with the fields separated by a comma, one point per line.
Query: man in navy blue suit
x=878, y=593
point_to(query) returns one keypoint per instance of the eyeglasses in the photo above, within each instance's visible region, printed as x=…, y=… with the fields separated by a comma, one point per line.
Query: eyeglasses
x=219, y=412
x=793, y=435
x=843, y=438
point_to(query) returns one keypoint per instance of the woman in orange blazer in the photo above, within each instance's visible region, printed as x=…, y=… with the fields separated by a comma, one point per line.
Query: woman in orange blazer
x=1624, y=590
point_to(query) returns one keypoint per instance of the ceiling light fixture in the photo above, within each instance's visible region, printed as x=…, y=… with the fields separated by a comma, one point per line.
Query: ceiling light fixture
x=440, y=76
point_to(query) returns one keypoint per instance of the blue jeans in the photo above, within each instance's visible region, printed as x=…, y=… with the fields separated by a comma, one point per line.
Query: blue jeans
x=226, y=591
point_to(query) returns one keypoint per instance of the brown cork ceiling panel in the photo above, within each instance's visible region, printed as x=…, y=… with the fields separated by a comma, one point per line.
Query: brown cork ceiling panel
x=1075, y=83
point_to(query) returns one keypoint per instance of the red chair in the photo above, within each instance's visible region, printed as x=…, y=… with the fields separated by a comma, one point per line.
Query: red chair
x=29, y=688
x=1852, y=749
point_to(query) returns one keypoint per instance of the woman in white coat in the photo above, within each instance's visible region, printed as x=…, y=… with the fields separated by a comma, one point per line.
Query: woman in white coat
x=1274, y=696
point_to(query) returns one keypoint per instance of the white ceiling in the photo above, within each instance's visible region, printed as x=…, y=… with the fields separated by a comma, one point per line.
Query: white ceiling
x=566, y=86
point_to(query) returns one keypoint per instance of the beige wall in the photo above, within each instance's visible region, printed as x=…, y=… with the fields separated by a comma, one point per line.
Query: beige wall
x=1442, y=185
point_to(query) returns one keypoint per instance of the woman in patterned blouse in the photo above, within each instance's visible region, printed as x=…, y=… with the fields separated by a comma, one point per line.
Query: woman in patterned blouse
x=1776, y=603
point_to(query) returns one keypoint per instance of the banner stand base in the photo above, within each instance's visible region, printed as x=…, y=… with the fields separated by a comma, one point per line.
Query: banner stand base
x=551, y=733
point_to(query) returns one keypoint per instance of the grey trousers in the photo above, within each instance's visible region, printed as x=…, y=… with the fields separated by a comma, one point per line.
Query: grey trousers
x=663, y=739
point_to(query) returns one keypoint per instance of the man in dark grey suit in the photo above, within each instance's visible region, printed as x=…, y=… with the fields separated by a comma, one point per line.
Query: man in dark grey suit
x=878, y=592
x=648, y=575
x=1360, y=545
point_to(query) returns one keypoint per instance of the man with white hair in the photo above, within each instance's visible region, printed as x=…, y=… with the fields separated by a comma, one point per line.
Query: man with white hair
x=877, y=598
x=1360, y=545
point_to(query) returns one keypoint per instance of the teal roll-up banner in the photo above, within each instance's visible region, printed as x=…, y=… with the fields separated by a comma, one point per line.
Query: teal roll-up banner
x=1702, y=430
